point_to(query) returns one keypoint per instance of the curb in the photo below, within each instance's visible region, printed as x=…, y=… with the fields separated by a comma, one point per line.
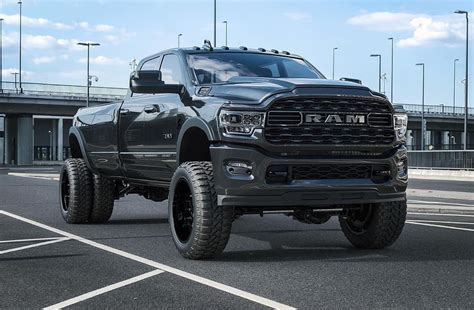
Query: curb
x=443, y=210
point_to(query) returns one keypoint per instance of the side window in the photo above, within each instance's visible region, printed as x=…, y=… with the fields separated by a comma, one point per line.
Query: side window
x=151, y=64
x=170, y=70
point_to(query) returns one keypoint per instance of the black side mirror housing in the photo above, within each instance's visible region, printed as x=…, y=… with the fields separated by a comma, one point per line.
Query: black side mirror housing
x=345, y=79
x=150, y=82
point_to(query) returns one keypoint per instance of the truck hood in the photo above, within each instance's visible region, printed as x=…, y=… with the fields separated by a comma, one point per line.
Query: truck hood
x=254, y=91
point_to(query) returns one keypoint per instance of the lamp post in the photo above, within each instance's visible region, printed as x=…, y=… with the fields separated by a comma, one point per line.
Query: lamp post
x=225, y=22
x=88, y=44
x=1, y=55
x=179, y=36
x=334, y=60
x=423, y=126
x=21, y=87
x=215, y=23
x=380, y=69
x=454, y=85
x=466, y=85
x=391, y=73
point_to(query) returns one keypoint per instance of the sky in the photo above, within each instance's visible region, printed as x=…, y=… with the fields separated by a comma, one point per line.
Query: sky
x=423, y=30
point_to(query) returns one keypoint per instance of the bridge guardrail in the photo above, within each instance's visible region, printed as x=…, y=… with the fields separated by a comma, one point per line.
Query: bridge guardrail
x=442, y=159
x=436, y=109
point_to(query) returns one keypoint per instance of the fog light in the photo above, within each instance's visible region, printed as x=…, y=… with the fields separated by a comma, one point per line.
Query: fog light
x=238, y=168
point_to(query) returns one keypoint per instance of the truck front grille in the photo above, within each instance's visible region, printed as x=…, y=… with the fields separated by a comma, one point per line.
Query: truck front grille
x=330, y=121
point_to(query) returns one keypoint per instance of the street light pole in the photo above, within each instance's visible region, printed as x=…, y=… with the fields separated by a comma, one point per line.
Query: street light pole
x=380, y=69
x=215, y=23
x=1, y=55
x=333, y=60
x=423, y=127
x=88, y=44
x=454, y=85
x=179, y=35
x=225, y=22
x=15, y=74
x=466, y=85
x=391, y=74
x=21, y=87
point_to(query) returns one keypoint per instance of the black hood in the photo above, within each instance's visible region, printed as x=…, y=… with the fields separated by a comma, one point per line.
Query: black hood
x=255, y=90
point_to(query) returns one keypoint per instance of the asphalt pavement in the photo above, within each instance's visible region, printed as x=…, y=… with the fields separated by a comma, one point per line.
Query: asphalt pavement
x=270, y=262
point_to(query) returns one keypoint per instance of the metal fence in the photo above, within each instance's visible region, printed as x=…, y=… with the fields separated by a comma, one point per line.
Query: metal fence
x=436, y=109
x=109, y=93
x=442, y=159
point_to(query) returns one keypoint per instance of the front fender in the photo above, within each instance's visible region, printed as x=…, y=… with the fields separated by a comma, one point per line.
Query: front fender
x=76, y=133
x=194, y=122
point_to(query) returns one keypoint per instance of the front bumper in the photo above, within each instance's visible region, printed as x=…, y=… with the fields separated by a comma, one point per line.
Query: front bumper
x=254, y=191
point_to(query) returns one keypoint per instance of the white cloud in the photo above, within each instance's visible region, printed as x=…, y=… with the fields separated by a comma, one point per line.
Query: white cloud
x=104, y=60
x=298, y=16
x=104, y=28
x=98, y=28
x=38, y=42
x=9, y=71
x=424, y=29
x=43, y=60
x=33, y=22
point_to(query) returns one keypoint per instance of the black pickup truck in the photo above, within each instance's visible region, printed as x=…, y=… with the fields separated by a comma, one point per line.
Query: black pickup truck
x=224, y=132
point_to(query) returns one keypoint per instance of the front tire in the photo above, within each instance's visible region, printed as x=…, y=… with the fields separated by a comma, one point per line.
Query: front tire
x=75, y=191
x=374, y=226
x=200, y=228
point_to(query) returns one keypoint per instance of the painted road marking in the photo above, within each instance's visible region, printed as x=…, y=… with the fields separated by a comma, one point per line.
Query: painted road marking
x=28, y=240
x=42, y=176
x=214, y=284
x=34, y=245
x=439, y=226
x=441, y=214
x=443, y=222
x=103, y=290
x=439, y=203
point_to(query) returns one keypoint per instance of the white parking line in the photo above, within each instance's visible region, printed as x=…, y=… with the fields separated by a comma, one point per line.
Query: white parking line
x=33, y=245
x=426, y=202
x=28, y=240
x=103, y=290
x=442, y=222
x=441, y=214
x=439, y=226
x=214, y=284
x=42, y=176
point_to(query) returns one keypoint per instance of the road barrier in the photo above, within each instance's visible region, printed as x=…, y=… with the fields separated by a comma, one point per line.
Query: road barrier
x=442, y=159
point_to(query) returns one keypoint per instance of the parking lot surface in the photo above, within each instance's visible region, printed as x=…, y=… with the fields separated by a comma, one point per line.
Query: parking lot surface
x=270, y=262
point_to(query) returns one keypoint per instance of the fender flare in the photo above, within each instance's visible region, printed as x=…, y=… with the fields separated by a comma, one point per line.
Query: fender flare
x=74, y=131
x=189, y=124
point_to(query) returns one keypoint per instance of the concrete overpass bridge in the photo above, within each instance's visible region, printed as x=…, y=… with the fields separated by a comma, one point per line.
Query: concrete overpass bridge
x=34, y=125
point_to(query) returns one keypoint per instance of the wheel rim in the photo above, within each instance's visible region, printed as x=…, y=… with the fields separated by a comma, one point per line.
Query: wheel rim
x=183, y=211
x=358, y=220
x=65, y=191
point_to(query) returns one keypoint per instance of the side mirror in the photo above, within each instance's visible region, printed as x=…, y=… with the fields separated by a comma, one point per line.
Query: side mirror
x=150, y=82
x=345, y=79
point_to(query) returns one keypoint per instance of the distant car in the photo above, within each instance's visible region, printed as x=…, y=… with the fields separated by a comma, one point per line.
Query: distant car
x=224, y=132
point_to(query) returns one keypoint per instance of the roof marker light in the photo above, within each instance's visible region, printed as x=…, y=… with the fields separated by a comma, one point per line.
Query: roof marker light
x=225, y=47
x=243, y=48
x=274, y=51
x=261, y=49
x=285, y=52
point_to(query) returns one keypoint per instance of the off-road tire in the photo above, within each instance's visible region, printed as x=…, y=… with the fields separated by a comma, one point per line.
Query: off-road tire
x=103, y=200
x=383, y=227
x=211, y=224
x=75, y=191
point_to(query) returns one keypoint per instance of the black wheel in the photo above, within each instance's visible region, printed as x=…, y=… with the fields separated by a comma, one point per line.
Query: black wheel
x=103, y=200
x=75, y=191
x=374, y=226
x=200, y=229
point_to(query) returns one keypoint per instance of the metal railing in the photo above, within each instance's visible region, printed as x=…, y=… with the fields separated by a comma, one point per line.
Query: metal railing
x=73, y=91
x=442, y=159
x=437, y=109
x=439, y=147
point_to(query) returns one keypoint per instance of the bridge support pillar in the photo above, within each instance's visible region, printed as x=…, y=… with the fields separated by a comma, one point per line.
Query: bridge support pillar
x=60, y=139
x=25, y=140
x=11, y=124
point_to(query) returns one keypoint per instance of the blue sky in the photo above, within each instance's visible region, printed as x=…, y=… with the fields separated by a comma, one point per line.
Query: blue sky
x=424, y=31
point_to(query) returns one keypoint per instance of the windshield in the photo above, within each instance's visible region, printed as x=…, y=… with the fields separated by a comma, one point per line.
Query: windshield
x=210, y=68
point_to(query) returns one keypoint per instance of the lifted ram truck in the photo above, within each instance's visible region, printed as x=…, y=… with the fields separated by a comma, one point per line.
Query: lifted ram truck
x=224, y=132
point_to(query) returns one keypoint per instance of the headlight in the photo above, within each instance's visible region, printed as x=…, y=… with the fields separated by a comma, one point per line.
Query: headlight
x=400, y=122
x=240, y=122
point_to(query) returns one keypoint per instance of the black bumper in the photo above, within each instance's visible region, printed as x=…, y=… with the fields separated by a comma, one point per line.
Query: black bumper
x=254, y=190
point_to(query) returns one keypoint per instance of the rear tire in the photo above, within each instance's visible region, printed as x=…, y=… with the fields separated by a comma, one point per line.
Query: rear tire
x=75, y=191
x=200, y=228
x=103, y=202
x=375, y=226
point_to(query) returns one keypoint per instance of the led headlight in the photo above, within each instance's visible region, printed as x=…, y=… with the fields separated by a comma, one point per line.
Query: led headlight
x=400, y=122
x=240, y=122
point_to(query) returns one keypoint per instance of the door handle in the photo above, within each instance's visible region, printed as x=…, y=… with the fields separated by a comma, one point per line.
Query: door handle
x=124, y=111
x=151, y=109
